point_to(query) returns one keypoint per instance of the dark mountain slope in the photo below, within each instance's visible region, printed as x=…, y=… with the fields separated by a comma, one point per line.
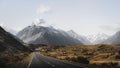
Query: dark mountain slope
x=11, y=50
x=115, y=39
x=8, y=41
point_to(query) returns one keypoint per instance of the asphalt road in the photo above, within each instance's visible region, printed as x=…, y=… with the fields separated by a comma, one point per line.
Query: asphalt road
x=39, y=61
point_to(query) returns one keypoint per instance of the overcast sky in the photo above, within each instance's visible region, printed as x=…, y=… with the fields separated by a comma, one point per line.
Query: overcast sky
x=83, y=16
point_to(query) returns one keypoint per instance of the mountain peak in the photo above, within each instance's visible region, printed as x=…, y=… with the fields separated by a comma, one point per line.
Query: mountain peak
x=46, y=35
x=71, y=31
x=97, y=38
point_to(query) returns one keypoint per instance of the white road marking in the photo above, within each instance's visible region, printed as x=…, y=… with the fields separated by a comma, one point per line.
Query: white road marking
x=42, y=60
x=30, y=62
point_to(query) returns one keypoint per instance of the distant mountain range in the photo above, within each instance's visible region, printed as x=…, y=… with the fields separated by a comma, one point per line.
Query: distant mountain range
x=41, y=34
x=105, y=39
x=97, y=38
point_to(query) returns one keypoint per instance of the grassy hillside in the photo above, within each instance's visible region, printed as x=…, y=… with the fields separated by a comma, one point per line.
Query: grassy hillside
x=11, y=50
x=92, y=55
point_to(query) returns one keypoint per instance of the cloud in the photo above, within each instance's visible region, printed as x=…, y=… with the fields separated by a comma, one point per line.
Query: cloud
x=43, y=9
x=38, y=21
x=8, y=29
x=111, y=28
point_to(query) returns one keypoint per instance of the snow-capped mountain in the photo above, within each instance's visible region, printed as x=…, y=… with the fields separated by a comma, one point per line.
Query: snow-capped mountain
x=97, y=38
x=81, y=38
x=41, y=34
x=115, y=39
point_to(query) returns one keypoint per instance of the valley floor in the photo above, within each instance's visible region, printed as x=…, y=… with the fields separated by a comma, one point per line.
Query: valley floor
x=95, y=56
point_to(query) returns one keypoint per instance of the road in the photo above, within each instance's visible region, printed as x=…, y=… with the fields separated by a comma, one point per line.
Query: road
x=39, y=61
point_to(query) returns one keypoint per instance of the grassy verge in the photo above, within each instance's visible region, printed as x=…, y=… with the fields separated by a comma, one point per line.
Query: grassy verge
x=20, y=63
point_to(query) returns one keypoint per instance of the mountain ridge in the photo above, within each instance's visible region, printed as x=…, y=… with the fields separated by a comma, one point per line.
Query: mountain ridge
x=114, y=39
x=37, y=34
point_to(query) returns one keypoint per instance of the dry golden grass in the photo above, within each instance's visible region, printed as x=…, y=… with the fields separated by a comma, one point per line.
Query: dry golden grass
x=21, y=64
x=93, y=53
x=27, y=59
x=14, y=60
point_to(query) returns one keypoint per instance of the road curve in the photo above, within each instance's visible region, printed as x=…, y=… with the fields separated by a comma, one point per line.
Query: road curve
x=39, y=61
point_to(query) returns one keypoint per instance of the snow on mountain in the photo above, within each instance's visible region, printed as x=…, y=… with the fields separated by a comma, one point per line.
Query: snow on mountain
x=39, y=33
x=97, y=38
x=81, y=38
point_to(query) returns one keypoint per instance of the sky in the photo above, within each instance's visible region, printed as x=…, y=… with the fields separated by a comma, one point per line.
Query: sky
x=85, y=17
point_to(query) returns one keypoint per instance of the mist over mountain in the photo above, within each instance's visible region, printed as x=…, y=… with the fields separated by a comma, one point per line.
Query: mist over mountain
x=10, y=30
x=41, y=34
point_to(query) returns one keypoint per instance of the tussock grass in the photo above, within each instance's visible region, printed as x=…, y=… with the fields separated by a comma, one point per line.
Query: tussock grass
x=92, y=54
x=21, y=63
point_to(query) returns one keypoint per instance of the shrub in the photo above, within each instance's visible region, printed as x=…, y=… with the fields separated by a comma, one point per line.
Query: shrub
x=80, y=60
x=104, y=65
x=2, y=63
x=117, y=57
